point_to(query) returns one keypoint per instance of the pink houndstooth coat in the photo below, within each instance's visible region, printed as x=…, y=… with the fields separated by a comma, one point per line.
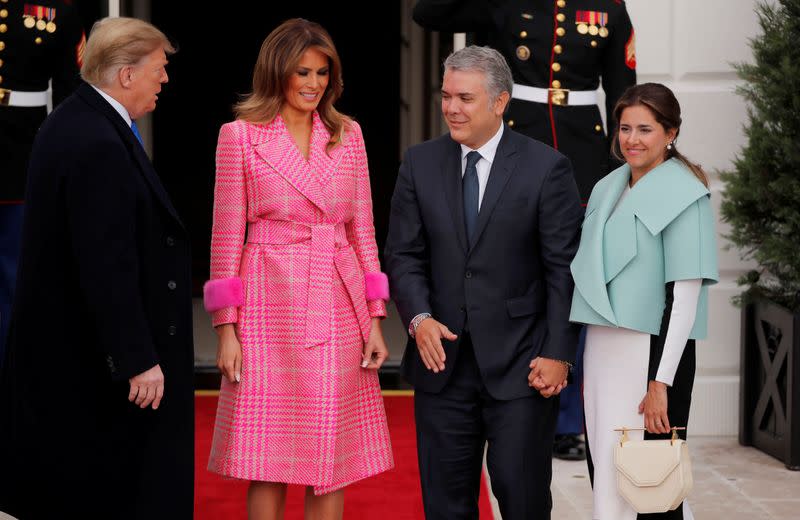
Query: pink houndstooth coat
x=294, y=263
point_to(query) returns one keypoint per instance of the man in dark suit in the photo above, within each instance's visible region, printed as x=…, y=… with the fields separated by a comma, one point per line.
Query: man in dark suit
x=483, y=226
x=559, y=52
x=96, y=397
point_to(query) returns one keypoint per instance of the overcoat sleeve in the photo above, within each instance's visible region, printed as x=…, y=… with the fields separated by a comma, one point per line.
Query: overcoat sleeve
x=361, y=232
x=101, y=212
x=223, y=293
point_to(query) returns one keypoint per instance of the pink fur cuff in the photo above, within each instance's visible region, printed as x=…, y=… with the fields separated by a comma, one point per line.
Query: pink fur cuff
x=377, y=285
x=221, y=293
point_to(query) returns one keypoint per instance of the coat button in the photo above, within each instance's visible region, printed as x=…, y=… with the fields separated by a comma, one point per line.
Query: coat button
x=170, y=241
x=468, y=274
x=172, y=330
x=172, y=285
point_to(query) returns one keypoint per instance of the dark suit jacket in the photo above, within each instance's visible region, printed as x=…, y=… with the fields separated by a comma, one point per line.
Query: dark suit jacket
x=513, y=288
x=103, y=294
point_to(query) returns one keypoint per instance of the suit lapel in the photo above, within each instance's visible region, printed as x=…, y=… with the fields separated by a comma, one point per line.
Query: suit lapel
x=137, y=151
x=502, y=167
x=275, y=146
x=452, y=176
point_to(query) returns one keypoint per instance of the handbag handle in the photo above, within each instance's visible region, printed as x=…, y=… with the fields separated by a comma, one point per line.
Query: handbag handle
x=625, y=431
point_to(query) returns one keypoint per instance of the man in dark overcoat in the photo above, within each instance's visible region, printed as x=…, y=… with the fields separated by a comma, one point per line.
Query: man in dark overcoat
x=96, y=397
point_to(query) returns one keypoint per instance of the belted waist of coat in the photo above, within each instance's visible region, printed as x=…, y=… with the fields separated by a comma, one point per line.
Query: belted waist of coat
x=329, y=247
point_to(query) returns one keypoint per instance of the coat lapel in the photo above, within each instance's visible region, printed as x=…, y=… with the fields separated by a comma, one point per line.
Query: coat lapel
x=588, y=267
x=275, y=146
x=322, y=162
x=502, y=167
x=452, y=176
x=145, y=166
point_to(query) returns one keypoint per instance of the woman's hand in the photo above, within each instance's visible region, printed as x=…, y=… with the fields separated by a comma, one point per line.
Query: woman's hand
x=654, y=408
x=375, y=351
x=229, y=353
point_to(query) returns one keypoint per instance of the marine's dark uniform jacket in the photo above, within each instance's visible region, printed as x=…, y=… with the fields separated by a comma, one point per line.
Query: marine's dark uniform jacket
x=559, y=44
x=29, y=58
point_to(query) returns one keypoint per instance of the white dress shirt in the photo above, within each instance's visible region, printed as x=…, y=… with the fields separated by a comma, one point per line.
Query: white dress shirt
x=116, y=104
x=484, y=165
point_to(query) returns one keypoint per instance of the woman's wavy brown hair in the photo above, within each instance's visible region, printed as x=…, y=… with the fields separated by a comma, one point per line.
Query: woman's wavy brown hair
x=280, y=54
x=666, y=110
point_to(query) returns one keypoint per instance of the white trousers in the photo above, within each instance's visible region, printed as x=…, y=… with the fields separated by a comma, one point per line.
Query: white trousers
x=615, y=363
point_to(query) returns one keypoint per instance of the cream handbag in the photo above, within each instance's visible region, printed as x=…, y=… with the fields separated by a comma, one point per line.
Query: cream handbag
x=653, y=476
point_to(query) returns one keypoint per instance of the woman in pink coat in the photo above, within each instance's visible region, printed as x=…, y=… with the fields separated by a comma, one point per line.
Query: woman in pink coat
x=296, y=291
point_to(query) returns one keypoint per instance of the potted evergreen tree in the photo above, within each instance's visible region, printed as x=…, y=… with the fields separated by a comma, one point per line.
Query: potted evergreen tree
x=762, y=205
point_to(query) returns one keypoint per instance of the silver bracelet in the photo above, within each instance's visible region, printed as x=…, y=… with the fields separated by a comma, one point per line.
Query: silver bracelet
x=419, y=318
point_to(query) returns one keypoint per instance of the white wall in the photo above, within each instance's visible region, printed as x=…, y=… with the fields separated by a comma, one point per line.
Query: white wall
x=689, y=45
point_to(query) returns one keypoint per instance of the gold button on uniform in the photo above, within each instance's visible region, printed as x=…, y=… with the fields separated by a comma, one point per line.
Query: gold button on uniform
x=557, y=49
x=523, y=52
x=561, y=3
x=38, y=40
x=594, y=43
x=510, y=122
x=560, y=31
x=3, y=13
x=3, y=27
x=556, y=83
x=1, y=79
x=523, y=34
x=598, y=128
x=1, y=63
x=2, y=45
x=560, y=17
x=556, y=66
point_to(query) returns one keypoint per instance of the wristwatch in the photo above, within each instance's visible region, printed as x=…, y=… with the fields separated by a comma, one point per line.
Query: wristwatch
x=419, y=318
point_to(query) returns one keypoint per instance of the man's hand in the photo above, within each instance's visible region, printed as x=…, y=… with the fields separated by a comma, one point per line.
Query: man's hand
x=429, y=336
x=375, y=351
x=654, y=408
x=548, y=376
x=147, y=387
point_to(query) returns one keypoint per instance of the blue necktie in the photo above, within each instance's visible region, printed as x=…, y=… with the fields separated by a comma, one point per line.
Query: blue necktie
x=471, y=191
x=135, y=130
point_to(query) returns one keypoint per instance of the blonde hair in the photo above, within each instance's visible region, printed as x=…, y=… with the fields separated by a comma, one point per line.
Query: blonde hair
x=116, y=42
x=666, y=110
x=280, y=54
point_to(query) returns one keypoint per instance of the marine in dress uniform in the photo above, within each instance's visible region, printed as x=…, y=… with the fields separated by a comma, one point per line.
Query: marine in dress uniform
x=38, y=42
x=559, y=51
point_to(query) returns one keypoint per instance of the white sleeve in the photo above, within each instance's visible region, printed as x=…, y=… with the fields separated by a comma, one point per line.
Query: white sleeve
x=685, y=294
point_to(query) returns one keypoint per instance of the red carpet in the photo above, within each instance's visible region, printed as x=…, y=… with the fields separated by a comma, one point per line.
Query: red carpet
x=394, y=495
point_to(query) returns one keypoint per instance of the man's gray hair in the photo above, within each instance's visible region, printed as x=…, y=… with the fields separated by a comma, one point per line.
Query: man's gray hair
x=486, y=60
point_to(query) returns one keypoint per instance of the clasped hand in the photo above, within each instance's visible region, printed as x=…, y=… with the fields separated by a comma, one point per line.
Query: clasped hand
x=548, y=376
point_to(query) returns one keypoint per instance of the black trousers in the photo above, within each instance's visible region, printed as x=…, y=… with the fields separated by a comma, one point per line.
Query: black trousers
x=454, y=425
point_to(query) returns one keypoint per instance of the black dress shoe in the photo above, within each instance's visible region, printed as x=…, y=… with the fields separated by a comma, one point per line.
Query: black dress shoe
x=569, y=447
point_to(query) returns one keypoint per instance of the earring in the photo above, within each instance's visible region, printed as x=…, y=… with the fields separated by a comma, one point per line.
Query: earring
x=669, y=146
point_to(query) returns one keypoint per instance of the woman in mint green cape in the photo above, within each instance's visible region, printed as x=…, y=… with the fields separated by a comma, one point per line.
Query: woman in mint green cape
x=647, y=256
